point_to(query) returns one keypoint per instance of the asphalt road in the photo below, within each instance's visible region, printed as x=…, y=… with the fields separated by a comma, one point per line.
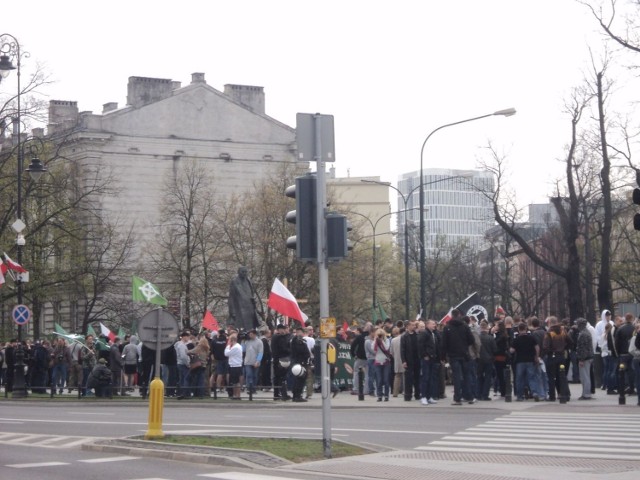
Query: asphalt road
x=392, y=427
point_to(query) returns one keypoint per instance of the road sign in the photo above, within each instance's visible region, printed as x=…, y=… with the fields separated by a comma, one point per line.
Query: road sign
x=156, y=325
x=21, y=314
x=328, y=327
x=308, y=136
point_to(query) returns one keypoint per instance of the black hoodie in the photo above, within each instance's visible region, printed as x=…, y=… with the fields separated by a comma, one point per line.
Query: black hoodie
x=456, y=339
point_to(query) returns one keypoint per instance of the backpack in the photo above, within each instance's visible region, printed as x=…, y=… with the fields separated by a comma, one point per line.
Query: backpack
x=633, y=350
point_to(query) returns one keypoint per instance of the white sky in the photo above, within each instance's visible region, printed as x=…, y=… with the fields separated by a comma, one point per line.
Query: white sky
x=389, y=71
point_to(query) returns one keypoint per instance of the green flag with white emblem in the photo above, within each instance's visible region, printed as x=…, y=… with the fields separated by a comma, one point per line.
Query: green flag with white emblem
x=144, y=291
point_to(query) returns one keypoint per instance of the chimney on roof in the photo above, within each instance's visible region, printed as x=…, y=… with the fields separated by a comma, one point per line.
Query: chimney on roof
x=249, y=96
x=197, y=78
x=143, y=91
x=109, y=107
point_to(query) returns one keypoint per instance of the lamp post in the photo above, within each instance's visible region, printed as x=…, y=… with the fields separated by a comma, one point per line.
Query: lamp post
x=10, y=49
x=423, y=275
x=405, y=200
x=374, y=255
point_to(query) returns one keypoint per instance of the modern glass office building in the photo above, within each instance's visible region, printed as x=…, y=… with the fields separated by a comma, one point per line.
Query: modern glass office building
x=457, y=208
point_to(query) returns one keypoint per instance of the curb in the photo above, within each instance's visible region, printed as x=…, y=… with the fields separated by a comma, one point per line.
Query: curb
x=188, y=453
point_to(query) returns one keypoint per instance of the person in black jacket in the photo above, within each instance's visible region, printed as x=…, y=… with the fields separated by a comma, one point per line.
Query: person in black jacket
x=456, y=339
x=221, y=363
x=300, y=355
x=428, y=353
x=264, y=375
x=359, y=355
x=488, y=351
x=280, y=354
x=410, y=355
x=622, y=337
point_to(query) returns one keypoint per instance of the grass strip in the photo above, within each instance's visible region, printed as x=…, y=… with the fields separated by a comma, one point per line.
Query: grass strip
x=292, y=449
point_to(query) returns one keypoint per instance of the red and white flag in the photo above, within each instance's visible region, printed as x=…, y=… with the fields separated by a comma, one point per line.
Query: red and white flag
x=3, y=270
x=499, y=311
x=447, y=317
x=107, y=333
x=282, y=301
x=209, y=321
x=16, y=267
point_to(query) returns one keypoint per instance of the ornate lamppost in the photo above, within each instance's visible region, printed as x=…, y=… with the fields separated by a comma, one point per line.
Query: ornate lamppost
x=10, y=51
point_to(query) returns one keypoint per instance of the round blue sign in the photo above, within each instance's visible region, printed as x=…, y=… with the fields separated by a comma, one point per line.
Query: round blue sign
x=21, y=314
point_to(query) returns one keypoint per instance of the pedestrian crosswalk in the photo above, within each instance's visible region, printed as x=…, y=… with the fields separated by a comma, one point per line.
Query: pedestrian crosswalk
x=39, y=440
x=574, y=435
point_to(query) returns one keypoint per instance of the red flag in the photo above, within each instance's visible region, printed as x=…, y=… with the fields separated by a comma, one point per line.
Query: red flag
x=107, y=333
x=282, y=301
x=3, y=270
x=209, y=321
x=16, y=267
x=499, y=311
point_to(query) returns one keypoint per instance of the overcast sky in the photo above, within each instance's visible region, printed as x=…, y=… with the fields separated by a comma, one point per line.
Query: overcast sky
x=389, y=71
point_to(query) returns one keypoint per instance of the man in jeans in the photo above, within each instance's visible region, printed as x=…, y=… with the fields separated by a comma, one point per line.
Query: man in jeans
x=359, y=354
x=527, y=355
x=183, y=365
x=253, y=349
x=584, y=355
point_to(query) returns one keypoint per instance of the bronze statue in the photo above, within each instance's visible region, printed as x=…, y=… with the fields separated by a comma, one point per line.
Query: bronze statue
x=243, y=313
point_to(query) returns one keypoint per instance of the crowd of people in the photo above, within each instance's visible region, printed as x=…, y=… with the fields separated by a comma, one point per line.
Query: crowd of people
x=415, y=359
x=418, y=358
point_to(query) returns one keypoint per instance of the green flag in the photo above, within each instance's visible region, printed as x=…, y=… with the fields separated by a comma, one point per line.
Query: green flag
x=382, y=313
x=59, y=329
x=61, y=332
x=144, y=291
x=91, y=331
x=121, y=333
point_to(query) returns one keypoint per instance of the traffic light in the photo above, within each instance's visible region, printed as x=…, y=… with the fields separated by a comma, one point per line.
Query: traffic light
x=636, y=201
x=304, y=217
x=338, y=244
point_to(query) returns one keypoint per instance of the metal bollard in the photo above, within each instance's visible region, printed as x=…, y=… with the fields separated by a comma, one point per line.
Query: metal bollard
x=361, y=383
x=508, y=385
x=565, y=393
x=622, y=399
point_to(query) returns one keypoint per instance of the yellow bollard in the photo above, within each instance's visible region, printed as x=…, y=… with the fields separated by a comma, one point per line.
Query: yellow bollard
x=156, y=406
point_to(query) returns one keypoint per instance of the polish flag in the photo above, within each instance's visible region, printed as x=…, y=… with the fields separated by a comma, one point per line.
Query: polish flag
x=107, y=333
x=16, y=267
x=209, y=321
x=447, y=317
x=282, y=301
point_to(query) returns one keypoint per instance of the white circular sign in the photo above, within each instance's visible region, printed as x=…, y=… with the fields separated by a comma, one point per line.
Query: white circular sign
x=158, y=321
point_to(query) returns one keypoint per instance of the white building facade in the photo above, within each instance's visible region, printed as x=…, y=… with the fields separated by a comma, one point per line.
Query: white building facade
x=457, y=208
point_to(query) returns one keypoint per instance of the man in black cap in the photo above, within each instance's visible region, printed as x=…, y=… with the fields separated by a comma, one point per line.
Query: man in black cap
x=280, y=353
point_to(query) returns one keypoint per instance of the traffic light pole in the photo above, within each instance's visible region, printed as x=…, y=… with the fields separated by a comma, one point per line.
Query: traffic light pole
x=323, y=278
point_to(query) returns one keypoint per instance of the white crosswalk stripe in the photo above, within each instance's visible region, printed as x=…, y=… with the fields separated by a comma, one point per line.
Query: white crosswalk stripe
x=48, y=441
x=573, y=435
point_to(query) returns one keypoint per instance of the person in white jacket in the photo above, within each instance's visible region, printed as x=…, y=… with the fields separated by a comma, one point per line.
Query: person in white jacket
x=233, y=352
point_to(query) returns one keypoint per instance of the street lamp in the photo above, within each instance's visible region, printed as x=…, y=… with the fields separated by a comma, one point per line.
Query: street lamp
x=405, y=200
x=423, y=274
x=374, y=255
x=10, y=48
